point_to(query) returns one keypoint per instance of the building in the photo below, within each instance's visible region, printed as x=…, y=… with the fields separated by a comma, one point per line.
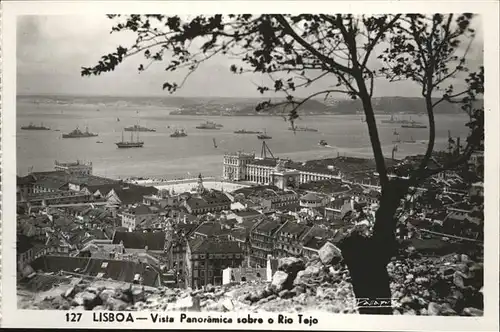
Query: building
x=118, y=270
x=262, y=239
x=312, y=201
x=152, y=242
x=134, y=216
x=287, y=239
x=208, y=201
x=24, y=250
x=207, y=258
x=78, y=168
x=234, y=166
x=285, y=178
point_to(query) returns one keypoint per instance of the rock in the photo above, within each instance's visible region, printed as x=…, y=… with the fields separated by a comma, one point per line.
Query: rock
x=328, y=252
x=286, y=294
x=138, y=295
x=279, y=280
x=421, y=280
x=81, y=298
x=228, y=304
x=70, y=292
x=458, y=281
x=433, y=309
x=291, y=265
x=447, y=310
x=299, y=289
x=116, y=304
x=92, y=289
x=472, y=312
x=406, y=300
x=191, y=303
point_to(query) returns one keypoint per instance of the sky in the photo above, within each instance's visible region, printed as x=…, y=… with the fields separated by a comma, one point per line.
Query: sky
x=52, y=49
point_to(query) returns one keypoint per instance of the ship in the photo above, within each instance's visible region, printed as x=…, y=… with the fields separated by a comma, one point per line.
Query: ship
x=411, y=140
x=139, y=128
x=302, y=129
x=264, y=136
x=179, y=133
x=394, y=120
x=35, y=127
x=77, y=133
x=130, y=144
x=209, y=125
x=414, y=125
x=323, y=143
x=243, y=131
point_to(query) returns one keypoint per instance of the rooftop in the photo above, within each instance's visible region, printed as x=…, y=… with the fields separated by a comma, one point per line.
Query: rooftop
x=139, y=240
x=211, y=246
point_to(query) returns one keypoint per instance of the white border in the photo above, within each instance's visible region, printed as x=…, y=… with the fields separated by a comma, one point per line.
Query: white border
x=11, y=317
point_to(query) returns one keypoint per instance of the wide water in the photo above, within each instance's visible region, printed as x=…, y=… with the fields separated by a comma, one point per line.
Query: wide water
x=166, y=157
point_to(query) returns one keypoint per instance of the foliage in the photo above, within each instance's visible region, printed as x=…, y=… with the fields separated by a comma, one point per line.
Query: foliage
x=296, y=51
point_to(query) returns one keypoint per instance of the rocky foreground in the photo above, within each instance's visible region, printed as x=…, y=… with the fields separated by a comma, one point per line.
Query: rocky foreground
x=450, y=285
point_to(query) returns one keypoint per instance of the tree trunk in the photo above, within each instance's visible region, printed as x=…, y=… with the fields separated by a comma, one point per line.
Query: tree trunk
x=367, y=257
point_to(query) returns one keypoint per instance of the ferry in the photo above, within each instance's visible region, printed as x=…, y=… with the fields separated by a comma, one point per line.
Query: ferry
x=209, y=125
x=77, y=133
x=302, y=129
x=395, y=120
x=139, y=128
x=130, y=144
x=35, y=127
x=414, y=125
x=243, y=131
x=179, y=133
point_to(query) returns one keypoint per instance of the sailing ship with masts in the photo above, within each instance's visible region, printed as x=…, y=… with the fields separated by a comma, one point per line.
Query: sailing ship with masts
x=130, y=144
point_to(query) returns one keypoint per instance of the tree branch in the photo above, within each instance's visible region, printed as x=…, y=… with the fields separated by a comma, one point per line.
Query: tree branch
x=289, y=30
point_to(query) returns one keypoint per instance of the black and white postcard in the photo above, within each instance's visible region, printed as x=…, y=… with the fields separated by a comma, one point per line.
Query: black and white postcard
x=250, y=165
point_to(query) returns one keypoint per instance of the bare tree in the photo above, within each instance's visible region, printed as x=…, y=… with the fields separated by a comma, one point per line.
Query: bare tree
x=295, y=51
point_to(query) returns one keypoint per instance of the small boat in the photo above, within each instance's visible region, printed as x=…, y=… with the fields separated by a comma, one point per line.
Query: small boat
x=35, y=127
x=395, y=132
x=264, y=136
x=99, y=142
x=77, y=133
x=209, y=125
x=414, y=125
x=215, y=144
x=179, y=133
x=411, y=140
x=302, y=129
x=243, y=131
x=395, y=120
x=117, y=119
x=322, y=143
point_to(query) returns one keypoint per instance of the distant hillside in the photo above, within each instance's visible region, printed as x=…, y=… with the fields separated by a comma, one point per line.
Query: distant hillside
x=206, y=106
